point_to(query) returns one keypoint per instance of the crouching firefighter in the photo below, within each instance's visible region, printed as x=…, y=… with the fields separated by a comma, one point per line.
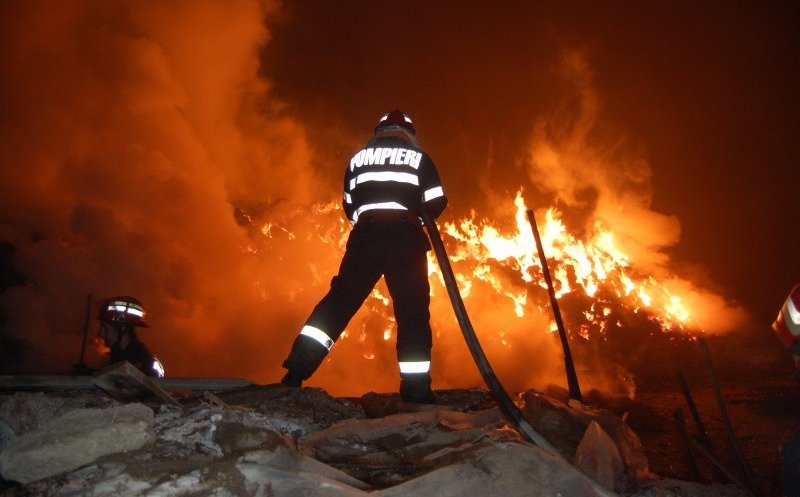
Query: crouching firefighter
x=119, y=317
x=385, y=184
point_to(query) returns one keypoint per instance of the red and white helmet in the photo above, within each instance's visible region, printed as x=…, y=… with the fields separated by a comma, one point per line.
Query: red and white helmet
x=787, y=325
x=398, y=118
x=123, y=310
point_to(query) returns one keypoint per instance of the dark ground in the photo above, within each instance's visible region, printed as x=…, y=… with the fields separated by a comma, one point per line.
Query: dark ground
x=764, y=413
x=756, y=379
x=763, y=405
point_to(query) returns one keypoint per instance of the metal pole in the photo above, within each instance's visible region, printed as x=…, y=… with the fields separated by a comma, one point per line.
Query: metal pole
x=722, y=468
x=572, y=376
x=694, y=473
x=748, y=473
x=687, y=394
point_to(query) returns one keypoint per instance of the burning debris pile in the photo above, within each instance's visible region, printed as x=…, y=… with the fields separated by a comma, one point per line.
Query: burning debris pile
x=276, y=441
x=622, y=315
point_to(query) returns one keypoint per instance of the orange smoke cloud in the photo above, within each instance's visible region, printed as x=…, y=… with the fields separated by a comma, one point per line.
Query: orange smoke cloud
x=572, y=158
x=131, y=132
x=144, y=155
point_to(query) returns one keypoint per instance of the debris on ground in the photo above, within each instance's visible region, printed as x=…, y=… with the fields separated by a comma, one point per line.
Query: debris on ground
x=276, y=441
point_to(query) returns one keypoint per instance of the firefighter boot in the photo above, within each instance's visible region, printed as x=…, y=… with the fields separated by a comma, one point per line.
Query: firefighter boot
x=306, y=356
x=416, y=388
x=292, y=378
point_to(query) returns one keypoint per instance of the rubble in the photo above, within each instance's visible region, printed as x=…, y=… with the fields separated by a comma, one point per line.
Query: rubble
x=296, y=412
x=678, y=488
x=6, y=436
x=504, y=468
x=597, y=455
x=76, y=439
x=400, y=436
x=564, y=425
x=273, y=441
x=397, y=447
x=25, y=411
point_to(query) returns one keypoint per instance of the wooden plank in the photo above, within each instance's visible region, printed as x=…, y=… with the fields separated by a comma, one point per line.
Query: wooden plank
x=200, y=384
x=251, y=394
x=59, y=383
x=46, y=383
x=126, y=383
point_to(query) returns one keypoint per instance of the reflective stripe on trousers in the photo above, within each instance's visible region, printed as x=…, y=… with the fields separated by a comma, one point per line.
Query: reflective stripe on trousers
x=410, y=367
x=318, y=335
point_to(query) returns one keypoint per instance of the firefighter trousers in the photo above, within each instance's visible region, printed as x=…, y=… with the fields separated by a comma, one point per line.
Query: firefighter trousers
x=393, y=249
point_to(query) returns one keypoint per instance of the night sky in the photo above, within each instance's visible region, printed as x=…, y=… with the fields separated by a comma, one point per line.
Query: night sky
x=707, y=93
x=144, y=145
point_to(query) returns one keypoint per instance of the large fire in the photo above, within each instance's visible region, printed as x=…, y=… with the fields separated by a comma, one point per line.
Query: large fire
x=500, y=278
x=582, y=266
x=578, y=266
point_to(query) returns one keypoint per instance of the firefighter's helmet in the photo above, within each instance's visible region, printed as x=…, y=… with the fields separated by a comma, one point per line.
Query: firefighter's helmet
x=395, y=118
x=787, y=325
x=123, y=310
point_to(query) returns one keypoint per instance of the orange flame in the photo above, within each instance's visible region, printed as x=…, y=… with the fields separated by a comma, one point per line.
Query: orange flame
x=508, y=263
x=576, y=265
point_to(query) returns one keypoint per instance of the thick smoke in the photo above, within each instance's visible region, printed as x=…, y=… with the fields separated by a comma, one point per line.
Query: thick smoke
x=572, y=159
x=145, y=156
x=587, y=169
x=130, y=132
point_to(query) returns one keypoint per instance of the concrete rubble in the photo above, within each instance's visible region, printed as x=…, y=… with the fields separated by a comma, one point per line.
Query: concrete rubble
x=565, y=425
x=265, y=441
x=76, y=439
x=597, y=455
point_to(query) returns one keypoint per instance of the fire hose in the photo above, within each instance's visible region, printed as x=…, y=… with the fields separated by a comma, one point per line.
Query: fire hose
x=507, y=406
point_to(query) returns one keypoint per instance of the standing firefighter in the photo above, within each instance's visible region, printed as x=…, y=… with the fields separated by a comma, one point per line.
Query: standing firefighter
x=385, y=185
x=119, y=317
x=787, y=326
